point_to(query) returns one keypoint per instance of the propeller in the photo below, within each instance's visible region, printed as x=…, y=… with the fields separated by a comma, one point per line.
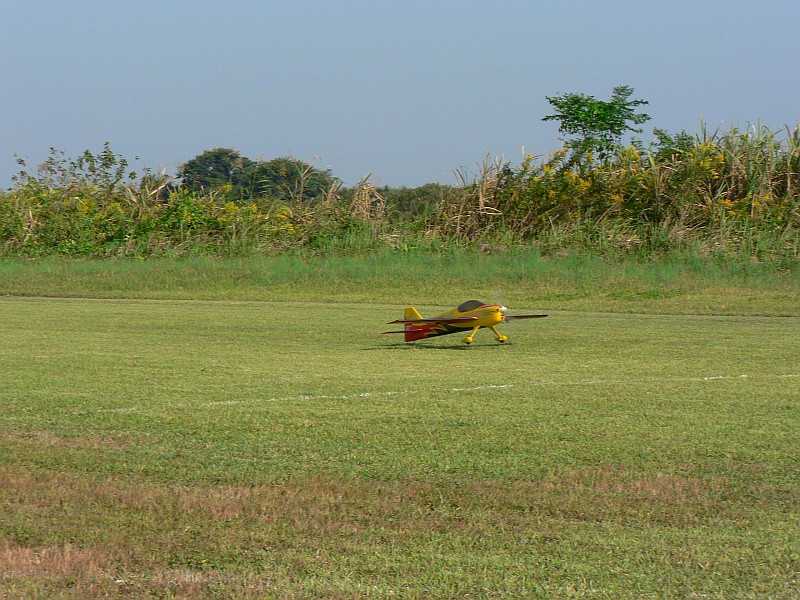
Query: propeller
x=507, y=318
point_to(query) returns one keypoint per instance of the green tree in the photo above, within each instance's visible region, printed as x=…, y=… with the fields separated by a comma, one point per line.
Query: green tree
x=410, y=203
x=103, y=174
x=667, y=145
x=596, y=126
x=214, y=169
x=224, y=170
x=289, y=179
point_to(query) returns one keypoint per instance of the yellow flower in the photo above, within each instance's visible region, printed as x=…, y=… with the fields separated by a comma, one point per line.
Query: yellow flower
x=86, y=205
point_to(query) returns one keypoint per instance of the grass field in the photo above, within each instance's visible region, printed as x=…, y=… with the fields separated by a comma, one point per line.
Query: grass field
x=238, y=448
x=675, y=283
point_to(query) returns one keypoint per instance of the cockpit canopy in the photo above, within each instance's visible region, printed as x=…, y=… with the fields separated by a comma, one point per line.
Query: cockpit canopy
x=470, y=305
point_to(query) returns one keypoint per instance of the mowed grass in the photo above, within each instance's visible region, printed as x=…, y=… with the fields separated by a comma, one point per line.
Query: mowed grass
x=675, y=283
x=162, y=448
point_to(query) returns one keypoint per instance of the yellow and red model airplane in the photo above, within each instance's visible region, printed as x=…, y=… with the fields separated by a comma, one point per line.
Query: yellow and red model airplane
x=469, y=316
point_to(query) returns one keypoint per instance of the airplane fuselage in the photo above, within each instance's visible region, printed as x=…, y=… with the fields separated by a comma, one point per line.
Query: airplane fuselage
x=468, y=316
x=487, y=316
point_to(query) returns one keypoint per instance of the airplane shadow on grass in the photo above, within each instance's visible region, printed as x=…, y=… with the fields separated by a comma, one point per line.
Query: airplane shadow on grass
x=462, y=347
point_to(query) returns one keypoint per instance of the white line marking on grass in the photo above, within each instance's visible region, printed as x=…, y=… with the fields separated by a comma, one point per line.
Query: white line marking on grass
x=708, y=378
x=312, y=397
x=302, y=397
x=224, y=403
x=483, y=387
x=718, y=378
x=454, y=390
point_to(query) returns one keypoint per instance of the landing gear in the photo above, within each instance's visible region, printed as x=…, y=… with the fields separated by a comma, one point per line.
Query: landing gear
x=468, y=340
x=500, y=337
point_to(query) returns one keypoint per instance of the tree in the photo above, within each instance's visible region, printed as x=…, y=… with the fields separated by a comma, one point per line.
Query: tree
x=410, y=203
x=597, y=126
x=225, y=170
x=213, y=169
x=289, y=179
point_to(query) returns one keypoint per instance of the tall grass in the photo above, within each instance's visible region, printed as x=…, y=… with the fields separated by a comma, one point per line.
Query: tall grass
x=675, y=282
x=721, y=193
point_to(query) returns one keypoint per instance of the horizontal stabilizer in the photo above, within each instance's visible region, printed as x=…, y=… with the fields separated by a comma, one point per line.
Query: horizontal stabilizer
x=512, y=317
x=434, y=320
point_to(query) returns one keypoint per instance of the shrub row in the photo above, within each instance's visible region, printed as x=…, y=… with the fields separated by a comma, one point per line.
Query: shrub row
x=731, y=191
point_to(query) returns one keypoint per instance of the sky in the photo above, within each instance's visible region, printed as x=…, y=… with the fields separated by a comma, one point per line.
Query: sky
x=408, y=92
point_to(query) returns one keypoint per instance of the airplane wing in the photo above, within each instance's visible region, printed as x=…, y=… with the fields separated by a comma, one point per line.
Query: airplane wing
x=512, y=317
x=434, y=320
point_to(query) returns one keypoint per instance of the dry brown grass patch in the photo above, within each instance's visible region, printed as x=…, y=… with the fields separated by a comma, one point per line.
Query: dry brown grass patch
x=614, y=480
x=52, y=562
x=68, y=571
x=50, y=439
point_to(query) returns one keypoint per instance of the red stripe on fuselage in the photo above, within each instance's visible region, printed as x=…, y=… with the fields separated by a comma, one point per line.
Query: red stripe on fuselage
x=420, y=332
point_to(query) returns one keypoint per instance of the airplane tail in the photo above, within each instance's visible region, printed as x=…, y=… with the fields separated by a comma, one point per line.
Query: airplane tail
x=414, y=332
x=411, y=313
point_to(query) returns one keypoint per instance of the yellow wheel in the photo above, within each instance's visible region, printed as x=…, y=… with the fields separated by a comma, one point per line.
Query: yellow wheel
x=467, y=340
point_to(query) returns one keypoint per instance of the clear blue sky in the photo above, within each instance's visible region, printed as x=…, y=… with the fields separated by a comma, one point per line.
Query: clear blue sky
x=409, y=91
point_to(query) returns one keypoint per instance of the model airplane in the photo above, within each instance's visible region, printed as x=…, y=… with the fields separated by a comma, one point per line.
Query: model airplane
x=469, y=316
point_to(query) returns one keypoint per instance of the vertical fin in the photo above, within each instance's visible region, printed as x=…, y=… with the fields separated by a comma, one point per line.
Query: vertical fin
x=413, y=332
x=411, y=313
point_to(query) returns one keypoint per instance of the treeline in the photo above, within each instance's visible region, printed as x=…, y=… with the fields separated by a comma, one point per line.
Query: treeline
x=733, y=191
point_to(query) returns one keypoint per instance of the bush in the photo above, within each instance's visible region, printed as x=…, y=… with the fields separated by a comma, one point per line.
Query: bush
x=722, y=193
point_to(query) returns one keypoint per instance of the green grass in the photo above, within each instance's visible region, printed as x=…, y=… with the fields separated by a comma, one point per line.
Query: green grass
x=676, y=283
x=241, y=448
